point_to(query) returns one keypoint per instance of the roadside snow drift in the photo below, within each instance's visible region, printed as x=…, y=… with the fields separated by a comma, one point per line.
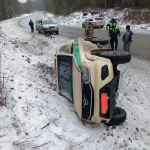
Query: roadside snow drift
x=36, y=117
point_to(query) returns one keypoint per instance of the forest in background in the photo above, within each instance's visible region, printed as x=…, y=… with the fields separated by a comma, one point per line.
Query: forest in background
x=68, y=6
x=12, y=8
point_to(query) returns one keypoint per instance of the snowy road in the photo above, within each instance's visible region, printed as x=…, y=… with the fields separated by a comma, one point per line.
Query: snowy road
x=140, y=46
x=36, y=117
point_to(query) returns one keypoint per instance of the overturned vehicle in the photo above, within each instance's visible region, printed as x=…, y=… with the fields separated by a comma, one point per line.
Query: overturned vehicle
x=87, y=75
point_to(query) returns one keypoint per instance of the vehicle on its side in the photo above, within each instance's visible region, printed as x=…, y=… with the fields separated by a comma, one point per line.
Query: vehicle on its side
x=98, y=22
x=46, y=26
x=87, y=75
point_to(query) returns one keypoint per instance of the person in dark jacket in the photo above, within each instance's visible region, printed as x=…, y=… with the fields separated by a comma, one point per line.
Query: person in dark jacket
x=113, y=34
x=110, y=24
x=127, y=39
x=31, y=24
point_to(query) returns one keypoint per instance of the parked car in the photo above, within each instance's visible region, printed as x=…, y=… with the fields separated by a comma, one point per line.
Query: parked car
x=98, y=22
x=46, y=26
x=87, y=75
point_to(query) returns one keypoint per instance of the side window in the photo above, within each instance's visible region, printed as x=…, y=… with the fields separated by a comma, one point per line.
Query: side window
x=66, y=49
x=65, y=76
x=40, y=21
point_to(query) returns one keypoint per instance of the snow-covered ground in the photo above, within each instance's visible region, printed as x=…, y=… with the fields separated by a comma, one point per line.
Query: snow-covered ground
x=36, y=117
x=76, y=19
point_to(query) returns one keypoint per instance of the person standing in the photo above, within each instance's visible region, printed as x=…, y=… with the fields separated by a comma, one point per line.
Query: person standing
x=110, y=24
x=89, y=30
x=31, y=24
x=127, y=39
x=113, y=34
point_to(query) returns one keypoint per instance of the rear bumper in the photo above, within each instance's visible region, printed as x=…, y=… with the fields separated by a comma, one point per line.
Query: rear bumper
x=99, y=26
x=110, y=90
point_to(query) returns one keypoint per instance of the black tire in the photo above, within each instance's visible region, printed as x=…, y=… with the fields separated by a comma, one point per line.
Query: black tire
x=44, y=32
x=57, y=32
x=102, y=42
x=96, y=40
x=39, y=31
x=117, y=57
x=83, y=26
x=102, y=26
x=118, y=117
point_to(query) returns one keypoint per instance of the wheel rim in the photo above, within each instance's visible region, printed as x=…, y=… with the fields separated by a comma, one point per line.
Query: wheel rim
x=116, y=112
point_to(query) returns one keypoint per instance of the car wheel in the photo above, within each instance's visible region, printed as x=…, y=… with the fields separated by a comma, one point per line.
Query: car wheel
x=83, y=26
x=44, y=32
x=100, y=41
x=102, y=26
x=57, y=32
x=118, y=117
x=117, y=57
x=39, y=31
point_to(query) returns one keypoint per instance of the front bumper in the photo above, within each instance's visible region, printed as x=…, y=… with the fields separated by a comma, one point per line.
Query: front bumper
x=99, y=26
x=51, y=30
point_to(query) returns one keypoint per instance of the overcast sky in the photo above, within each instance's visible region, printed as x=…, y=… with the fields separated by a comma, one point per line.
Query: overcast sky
x=22, y=0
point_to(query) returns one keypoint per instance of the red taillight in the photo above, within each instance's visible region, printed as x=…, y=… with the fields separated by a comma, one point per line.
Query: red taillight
x=97, y=22
x=104, y=103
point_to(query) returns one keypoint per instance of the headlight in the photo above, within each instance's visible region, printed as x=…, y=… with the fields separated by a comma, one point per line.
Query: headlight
x=85, y=74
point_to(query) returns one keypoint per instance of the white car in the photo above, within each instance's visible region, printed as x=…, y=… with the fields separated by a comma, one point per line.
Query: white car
x=46, y=26
x=98, y=22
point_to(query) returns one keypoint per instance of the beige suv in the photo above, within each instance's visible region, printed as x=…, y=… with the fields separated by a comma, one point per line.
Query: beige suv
x=87, y=75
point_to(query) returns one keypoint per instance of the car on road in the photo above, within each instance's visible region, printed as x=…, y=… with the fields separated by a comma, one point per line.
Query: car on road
x=46, y=26
x=87, y=75
x=98, y=22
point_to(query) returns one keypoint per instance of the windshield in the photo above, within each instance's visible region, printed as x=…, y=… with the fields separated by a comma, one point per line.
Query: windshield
x=99, y=18
x=48, y=22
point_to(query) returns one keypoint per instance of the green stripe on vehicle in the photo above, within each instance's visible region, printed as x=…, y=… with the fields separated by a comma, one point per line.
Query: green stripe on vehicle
x=77, y=54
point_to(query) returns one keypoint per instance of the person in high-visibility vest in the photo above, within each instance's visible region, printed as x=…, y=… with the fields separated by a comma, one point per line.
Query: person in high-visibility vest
x=113, y=34
x=110, y=24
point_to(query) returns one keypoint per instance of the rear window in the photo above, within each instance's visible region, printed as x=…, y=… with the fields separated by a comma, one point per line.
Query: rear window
x=90, y=19
x=99, y=18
